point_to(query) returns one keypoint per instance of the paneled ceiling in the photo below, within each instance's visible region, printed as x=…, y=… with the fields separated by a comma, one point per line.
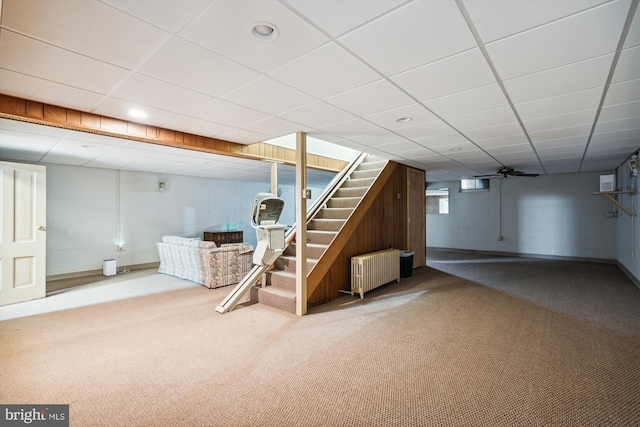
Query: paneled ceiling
x=542, y=86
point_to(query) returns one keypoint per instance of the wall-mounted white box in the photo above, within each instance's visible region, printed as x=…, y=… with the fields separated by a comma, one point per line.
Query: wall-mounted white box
x=109, y=267
x=607, y=182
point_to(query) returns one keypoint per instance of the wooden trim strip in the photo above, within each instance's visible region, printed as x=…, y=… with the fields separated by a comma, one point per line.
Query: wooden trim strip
x=24, y=110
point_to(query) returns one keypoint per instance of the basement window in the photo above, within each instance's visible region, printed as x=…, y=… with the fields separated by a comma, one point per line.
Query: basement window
x=437, y=201
x=474, y=185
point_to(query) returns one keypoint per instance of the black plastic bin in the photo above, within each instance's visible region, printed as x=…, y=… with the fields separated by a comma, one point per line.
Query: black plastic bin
x=406, y=263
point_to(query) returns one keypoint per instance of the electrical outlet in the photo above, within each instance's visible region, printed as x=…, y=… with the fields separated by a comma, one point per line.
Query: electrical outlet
x=122, y=248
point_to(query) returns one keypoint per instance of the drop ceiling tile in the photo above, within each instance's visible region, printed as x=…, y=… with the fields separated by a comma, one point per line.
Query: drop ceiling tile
x=154, y=148
x=516, y=159
x=425, y=130
x=242, y=136
x=225, y=21
x=92, y=146
x=504, y=141
x=577, y=140
x=620, y=111
x=613, y=137
x=450, y=148
x=37, y=89
x=182, y=63
x=351, y=129
x=400, y=146
x=582, y=36
x=493, y=132
x=325, y=72
x=370, y=99
x=495, y=19
x=119, y=109
x=69, y=155
x=598, y=163
x=379, y=138
x=464, y=71
x=170, y=15
x=90, y=28
x=17, y=145
x=111, y=160
x=628, y=66
x=274, y=127
x=568, y=132
x=388, y=119
x=569, y=165
x=511, y=149
x=448, y=140
x=137, y=150
x=560, y=121
x=489, y=118
x=560, y=81
x=617, y=125
x=268, y=96
x=52, y=63
x=342, y=16
x=31, y=128
x=196, y=126
x=562, y=104
x=469, y=157
x=411, y=36
x=224, y=112
x=468, y=102
x=158, y=94
x=563, y=152
x=621, y=93
x=317, y=114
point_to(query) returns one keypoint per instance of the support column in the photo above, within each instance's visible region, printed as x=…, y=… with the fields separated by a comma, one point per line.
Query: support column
x=274, y=178
x=301, y=223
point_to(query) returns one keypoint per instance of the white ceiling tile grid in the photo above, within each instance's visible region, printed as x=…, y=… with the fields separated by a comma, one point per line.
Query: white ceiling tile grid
x=552, y=86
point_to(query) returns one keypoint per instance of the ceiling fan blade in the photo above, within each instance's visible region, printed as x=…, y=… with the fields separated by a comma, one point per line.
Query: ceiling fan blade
x=486, y=176
x=518, y=173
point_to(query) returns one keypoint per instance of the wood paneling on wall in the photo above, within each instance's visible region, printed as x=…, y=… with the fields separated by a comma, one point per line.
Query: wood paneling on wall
x=383, y=225
x=50, y=115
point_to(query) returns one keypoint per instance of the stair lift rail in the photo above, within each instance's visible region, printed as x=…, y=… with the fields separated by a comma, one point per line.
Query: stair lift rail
x=328, y=192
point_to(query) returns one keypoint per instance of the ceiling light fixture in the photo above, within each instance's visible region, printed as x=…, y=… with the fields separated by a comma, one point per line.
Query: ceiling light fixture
x=137, y=114
x=454, y=149
x=265, y=31
x=404, y=119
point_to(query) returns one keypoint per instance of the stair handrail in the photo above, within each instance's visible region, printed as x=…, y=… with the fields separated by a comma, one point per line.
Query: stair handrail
x=333, y=186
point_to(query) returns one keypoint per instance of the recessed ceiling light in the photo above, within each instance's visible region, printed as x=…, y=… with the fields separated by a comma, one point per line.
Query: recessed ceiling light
x=264, y=31
x=454, y=149
x=137, y=114
x=404, y=119
x=87, y=146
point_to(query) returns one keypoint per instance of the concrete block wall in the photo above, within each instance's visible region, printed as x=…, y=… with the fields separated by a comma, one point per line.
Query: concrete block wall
x=551, y=215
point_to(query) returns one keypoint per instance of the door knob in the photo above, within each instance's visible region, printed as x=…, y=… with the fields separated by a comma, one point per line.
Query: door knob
x=42, y=228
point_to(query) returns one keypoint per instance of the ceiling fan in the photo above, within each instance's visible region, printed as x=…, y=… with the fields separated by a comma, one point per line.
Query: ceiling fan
x=505, y=172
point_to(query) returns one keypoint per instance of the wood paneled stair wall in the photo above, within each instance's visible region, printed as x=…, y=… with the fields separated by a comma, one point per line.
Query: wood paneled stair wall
x=328, y=229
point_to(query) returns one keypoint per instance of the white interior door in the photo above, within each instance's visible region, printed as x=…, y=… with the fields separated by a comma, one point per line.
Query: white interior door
x=23, y=213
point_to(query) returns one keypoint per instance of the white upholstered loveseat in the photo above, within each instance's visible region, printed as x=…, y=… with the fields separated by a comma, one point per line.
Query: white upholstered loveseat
x=202, y=262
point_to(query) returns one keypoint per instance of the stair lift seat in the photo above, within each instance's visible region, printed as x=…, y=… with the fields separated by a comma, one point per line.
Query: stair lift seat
x=265, y=213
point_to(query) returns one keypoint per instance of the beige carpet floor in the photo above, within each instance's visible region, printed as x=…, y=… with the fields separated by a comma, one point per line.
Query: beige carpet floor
x=467, y=341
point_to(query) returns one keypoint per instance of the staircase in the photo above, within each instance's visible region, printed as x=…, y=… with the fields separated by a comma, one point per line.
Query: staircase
x=280, y=289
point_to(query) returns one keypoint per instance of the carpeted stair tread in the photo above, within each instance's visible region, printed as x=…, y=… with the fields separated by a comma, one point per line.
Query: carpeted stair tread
x=277, y=298
x=282, y=279
x=334, y=213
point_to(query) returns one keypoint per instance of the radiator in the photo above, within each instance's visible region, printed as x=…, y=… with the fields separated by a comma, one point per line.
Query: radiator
x=368, y=271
